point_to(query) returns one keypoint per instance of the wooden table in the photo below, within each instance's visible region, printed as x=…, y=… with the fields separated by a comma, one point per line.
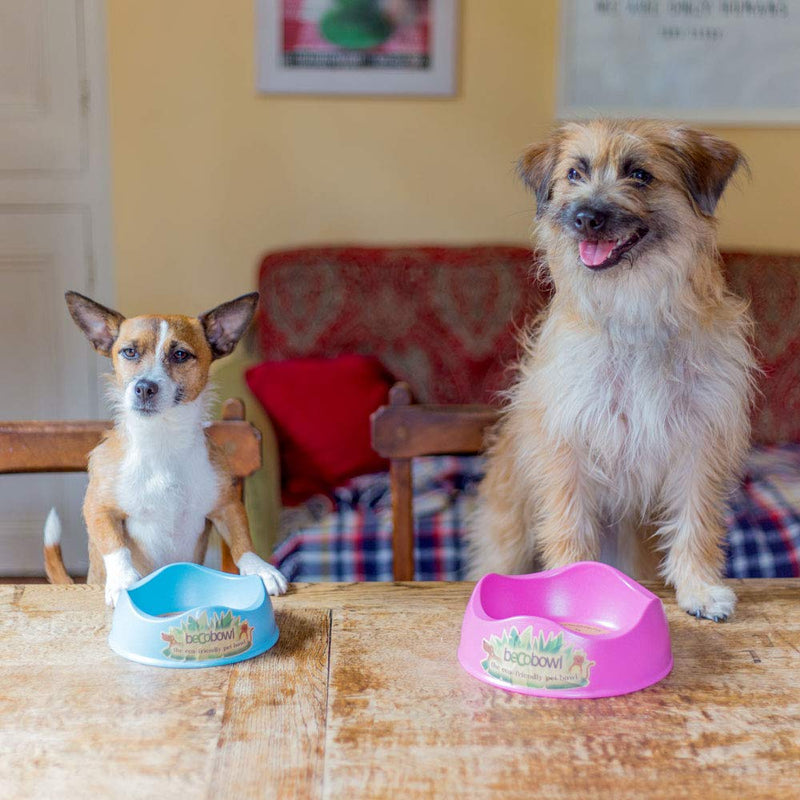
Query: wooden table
x=363, y=697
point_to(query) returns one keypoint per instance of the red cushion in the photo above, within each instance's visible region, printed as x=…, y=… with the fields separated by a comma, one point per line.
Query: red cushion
x=320, y=408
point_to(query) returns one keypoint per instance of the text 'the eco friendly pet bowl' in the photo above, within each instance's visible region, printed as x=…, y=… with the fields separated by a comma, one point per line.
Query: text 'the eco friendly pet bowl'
x=584, y=630
x=186, y=615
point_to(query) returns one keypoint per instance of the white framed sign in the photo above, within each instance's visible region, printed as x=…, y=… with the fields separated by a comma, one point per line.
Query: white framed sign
x=712, y=61
x=373, y=47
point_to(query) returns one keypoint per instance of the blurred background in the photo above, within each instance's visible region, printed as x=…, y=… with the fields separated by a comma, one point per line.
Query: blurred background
x=140, y=164
x=207, y=174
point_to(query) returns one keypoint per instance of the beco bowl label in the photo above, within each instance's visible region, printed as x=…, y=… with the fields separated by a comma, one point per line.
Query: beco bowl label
x=535, y=661
x=203, y=638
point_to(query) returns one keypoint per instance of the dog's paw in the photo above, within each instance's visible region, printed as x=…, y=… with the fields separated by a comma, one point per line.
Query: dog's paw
x=708, y=601
x=251, y=564
x=120, y=574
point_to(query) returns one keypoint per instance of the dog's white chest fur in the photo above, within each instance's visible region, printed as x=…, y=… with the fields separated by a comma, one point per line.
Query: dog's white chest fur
x=631, y=406
x=618, y=400
x=167, y=486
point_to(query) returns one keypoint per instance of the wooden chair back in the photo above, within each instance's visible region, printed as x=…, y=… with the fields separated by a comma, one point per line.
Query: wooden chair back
x=404, y=430
x=64, y=446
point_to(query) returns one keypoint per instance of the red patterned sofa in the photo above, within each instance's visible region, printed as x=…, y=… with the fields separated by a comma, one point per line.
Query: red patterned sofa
x=446, y=319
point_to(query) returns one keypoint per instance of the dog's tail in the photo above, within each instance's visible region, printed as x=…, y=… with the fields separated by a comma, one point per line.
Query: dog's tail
x=53, y=561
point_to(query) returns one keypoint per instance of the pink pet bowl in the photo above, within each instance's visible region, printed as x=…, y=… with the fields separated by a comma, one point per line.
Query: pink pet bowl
x=584, y=630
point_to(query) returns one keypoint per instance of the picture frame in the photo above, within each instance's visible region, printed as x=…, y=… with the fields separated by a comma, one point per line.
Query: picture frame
x=396, y=47
x=726, y=63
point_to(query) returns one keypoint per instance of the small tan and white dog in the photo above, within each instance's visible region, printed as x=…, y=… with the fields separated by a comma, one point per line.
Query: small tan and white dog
x=630, y=415
x=156, y=482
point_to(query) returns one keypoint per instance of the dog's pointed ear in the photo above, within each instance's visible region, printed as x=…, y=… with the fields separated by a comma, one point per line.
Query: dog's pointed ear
x=707, y=163
x=99, y=324
x=536, y=167
x=225, y=324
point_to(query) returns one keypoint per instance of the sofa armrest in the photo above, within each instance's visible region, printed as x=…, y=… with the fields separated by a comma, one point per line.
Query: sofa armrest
x=262, y=488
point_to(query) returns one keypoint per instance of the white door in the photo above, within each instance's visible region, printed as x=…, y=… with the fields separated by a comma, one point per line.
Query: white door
x=54, y=236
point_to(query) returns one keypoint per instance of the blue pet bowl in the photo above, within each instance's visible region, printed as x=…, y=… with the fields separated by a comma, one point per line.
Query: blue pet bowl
x=186, y=616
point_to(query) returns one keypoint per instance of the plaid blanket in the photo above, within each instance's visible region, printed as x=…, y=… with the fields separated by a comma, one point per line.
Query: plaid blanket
x=349, y=538
x=763, y=517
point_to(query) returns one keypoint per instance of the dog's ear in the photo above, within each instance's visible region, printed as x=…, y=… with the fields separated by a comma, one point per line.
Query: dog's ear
x=99, y=324
x=225, y=324
x=707, y=163
x=536, y=166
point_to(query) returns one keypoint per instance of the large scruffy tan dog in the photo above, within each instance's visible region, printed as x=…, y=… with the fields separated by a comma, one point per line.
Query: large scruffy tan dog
x=631, y=410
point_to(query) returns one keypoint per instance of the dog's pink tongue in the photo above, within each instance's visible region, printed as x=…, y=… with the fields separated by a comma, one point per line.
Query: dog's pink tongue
x=593, y=254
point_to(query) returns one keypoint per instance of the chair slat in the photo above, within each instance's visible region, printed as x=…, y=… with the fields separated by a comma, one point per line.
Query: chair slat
x=33, y=446
x=418, y=430
x=48, y=446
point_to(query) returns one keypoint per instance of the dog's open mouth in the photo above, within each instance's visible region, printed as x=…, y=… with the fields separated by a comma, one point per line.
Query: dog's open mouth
x=605, y=253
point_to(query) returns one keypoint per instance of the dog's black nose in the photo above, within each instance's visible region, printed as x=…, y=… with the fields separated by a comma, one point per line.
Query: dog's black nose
x=145, y=389
x=589, y=220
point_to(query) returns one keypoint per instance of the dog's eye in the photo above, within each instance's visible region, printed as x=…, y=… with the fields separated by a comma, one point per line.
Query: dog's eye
x=128, y=352
x=179, y=356
x=641, y=176
x=573, y=176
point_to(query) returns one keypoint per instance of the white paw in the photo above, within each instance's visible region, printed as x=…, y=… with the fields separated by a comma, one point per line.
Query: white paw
x=709, y=601
x=251, y=564
x=120, y=574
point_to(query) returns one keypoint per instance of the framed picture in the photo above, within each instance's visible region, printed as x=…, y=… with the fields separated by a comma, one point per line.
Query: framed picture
x=378, y=47
x=729, y=61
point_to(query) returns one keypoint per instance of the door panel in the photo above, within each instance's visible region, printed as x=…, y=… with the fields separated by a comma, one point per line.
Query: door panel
x=41, y=86
x=41, y=256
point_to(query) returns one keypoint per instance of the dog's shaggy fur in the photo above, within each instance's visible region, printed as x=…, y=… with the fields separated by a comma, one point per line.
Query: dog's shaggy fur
x=631, y=411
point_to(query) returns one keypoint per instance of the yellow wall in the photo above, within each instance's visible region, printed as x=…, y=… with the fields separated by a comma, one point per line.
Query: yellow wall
x=207, y=174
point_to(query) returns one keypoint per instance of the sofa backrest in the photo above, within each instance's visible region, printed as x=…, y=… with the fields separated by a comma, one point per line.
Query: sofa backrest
x=446, y=319
x=772, y=285
x=443, y=318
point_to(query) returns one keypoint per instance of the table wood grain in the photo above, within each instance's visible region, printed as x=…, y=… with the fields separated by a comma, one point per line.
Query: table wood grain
x=363, y=697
